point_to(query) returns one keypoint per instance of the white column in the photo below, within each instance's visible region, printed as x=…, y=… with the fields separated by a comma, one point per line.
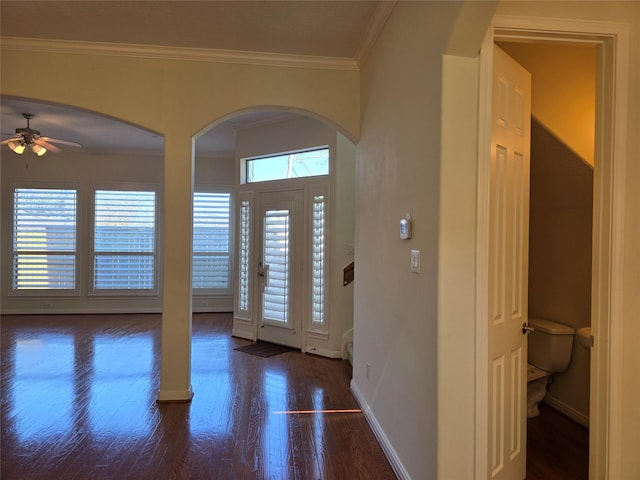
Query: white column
x=175, y=373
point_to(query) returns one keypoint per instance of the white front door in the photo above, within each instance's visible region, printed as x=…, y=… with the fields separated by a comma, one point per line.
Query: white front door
x=508, y=267
x=279, y=269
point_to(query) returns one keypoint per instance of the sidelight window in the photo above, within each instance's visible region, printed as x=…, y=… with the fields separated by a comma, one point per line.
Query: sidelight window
x=211, y=241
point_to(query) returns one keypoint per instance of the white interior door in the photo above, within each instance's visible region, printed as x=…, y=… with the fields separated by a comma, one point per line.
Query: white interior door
x=508, y=267
x=280, y=241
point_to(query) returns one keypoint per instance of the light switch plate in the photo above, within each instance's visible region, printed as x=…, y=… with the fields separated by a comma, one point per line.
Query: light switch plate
x=415, y=261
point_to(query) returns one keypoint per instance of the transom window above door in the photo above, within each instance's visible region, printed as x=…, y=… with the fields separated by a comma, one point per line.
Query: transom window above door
x=283, y=166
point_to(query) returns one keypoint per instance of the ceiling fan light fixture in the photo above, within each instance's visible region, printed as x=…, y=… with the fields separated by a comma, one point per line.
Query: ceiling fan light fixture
x=17, y=147
x=38, y=149
x=28, y=137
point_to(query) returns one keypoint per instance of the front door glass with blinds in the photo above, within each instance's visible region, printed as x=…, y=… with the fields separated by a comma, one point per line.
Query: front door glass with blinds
x=274, y=268
x=279, y=267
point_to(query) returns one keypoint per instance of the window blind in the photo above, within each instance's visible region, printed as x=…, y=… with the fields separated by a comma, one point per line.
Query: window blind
x=244, y=253
x=124, y=240
x=44, y=239
x=211, y=266
x=318, y=260
x=277, y=258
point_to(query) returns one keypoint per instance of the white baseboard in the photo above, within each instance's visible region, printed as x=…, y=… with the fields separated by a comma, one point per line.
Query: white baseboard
x=220, y=309
x=101, y=310
x=81, y=311
x=567, y=410
x=323, y=352
x=235, y=332
x=175, y=395
x=388, y=449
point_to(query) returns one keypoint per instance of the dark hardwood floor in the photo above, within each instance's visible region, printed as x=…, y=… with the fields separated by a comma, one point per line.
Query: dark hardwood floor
x=557, y=447
x=79, y=402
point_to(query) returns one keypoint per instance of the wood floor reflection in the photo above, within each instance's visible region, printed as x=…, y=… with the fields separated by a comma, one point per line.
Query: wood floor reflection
x=79, y=402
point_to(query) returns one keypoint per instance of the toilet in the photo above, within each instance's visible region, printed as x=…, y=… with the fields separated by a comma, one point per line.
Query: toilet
x=550, y=346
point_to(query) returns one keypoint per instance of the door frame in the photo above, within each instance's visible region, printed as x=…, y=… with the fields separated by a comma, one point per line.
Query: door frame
x=612, y=40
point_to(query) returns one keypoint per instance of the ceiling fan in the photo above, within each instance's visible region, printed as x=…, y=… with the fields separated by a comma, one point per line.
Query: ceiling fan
x=28, y=137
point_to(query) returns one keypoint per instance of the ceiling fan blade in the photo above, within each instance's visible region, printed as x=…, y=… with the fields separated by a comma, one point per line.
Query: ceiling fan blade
x=12, y=139
x=47, y=145
x=62, y=142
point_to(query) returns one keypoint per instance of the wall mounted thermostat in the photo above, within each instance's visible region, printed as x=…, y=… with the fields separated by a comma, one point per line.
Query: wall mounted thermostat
x=405, y=227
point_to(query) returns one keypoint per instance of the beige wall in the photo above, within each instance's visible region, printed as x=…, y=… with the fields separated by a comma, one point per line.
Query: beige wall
x=215, y=171
x=341, y=249
x=563, y=90
x=457, y=269
x=398, y=170
x=560, y=257
x=170, y=96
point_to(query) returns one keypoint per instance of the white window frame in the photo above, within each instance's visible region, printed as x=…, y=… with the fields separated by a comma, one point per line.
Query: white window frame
x=157, y=247
x=208, y=292
x=10, y=268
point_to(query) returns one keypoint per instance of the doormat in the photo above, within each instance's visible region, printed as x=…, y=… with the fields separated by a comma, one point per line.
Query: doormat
x=264, y=349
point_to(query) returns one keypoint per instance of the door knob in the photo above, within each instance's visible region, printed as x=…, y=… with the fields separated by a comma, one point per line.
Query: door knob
x=263, y=271
x=526, y=328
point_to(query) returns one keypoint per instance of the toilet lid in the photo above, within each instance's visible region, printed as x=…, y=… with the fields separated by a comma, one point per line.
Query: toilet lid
x=551, y=327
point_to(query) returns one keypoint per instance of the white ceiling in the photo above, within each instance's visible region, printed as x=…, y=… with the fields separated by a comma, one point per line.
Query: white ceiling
x=335, y=29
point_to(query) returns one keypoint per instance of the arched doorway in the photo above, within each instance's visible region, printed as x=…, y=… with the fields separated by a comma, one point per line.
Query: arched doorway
x=321, y=306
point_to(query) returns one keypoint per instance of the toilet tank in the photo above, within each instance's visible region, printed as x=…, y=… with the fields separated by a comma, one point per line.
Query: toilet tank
x=550, y=345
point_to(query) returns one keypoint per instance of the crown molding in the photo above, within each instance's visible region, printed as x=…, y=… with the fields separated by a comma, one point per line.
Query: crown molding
x=19, y=44
x=377, y=23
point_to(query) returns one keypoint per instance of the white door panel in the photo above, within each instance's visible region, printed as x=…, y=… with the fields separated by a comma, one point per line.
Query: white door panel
x=508, y=267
